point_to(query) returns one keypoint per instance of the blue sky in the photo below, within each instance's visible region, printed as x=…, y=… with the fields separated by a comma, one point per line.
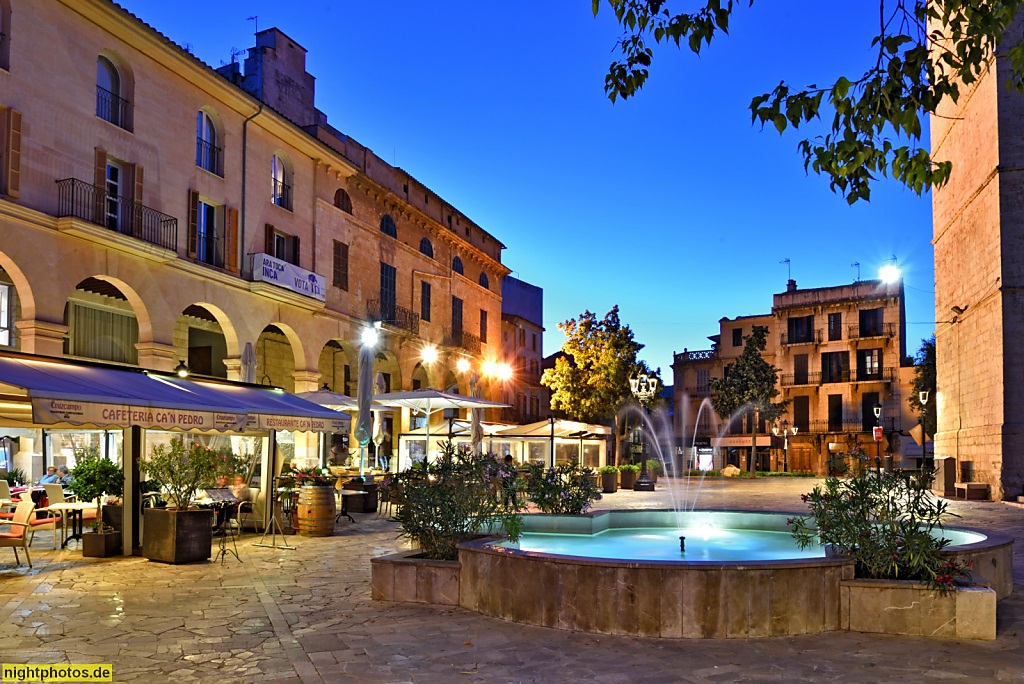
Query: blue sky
x=671, y=205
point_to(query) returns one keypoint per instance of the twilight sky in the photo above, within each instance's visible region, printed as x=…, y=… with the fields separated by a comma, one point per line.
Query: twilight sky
x=671, y=205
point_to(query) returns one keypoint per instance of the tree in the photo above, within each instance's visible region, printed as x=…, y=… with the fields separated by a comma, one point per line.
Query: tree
x=926, y=51
x=590, y=381
x=749, y=386
x=924, y=381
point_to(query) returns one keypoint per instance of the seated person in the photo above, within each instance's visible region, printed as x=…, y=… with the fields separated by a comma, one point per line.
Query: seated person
x=50, y=477
x=240, y=489
x=63, y=476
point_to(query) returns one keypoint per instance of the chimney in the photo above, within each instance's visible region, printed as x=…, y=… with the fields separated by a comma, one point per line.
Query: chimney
x=791, y=285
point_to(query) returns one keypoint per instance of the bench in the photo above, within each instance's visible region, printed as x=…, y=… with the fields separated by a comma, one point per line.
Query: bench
x=971, y=490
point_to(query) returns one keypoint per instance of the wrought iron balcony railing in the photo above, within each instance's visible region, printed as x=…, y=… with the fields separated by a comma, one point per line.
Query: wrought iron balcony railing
x=281, y=194
x=209, y=157
x=94, y=204
x=846, y=426
x=392, y=315
x=461, y=339
x=811, y=337
x=801, y=379
x=884, y=375
x=828, y=376
x=111, y=107
x=885, y=330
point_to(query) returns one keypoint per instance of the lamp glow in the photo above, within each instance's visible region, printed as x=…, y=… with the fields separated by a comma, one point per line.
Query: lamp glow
x=181, y=369
x=430, y=353
x=370, y=337
x=490, y=368
x=504, y=371
x=462, y=365
x=889, y=273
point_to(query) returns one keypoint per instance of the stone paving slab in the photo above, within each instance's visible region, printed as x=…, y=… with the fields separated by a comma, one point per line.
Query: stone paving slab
x=306, y=616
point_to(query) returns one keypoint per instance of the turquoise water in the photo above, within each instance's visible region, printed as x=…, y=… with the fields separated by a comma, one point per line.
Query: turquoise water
x=703, y=543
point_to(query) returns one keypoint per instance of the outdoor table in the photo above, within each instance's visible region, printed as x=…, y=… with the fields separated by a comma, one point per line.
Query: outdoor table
x=75, y=515
x=345, y=493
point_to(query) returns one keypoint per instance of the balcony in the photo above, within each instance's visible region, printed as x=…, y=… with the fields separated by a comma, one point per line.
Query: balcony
x=801, y=379
x=393, y=316
x=886, y=375
x=835, y=376
x=460, y=339
x=820, y=427
x=885, y=331
x=700, y=355
x=91, y=203
x=281, y=194
x=209, y=157
x=111, y=107
x=814, y=337
x=698, y=392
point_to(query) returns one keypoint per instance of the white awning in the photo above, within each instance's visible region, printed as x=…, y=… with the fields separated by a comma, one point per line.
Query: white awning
x=562, y=428
x=41, y=392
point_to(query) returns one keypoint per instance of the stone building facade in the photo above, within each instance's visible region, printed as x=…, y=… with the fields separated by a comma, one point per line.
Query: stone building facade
x=839, y=351
x=522, y=348
x=154, y=211
x=978, y=225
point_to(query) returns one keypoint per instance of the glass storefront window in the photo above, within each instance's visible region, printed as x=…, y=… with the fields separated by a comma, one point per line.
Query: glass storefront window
x=537, y=452
x=65, y=447
x=591, y=455
x=567, y=452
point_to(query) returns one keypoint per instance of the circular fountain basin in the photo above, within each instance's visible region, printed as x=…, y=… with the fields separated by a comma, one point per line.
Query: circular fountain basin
x=621, y=572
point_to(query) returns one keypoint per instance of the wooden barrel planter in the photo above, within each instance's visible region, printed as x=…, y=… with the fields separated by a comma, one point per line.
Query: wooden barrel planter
x=316, y=511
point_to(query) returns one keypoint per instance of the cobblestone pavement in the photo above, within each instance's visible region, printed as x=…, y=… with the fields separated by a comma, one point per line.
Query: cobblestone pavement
x=307, y=615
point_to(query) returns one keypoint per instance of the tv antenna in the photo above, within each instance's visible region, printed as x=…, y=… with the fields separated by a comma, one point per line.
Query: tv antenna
x=789, y=268
x=856, y=265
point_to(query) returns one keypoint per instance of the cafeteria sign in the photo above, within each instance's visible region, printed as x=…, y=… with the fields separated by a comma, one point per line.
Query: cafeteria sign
x=49, y=411
x=273, y=270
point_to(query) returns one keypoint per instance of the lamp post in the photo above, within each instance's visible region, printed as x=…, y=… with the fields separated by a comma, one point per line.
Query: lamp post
x=878, y=435
x=644, y=387
x=785, y=431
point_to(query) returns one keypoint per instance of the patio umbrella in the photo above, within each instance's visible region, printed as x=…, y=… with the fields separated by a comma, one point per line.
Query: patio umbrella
x=476, y=431
x=325, y=397
x=248, y=364
x=429, y=401
x=364, y=419
x=378, y=424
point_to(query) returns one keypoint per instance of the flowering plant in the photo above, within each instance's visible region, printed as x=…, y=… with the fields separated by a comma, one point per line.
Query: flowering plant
x=313, y=477
x=569, y=488
x=181, y=470
x=889, y=523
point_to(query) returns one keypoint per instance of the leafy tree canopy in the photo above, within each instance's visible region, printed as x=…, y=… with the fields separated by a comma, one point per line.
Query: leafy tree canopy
x=876, y=117
x=750, y=382
x=592, y=380
x=924, y=380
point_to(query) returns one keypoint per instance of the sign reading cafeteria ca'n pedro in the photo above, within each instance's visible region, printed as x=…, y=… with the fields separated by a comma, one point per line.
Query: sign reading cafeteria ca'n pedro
x=49, y=411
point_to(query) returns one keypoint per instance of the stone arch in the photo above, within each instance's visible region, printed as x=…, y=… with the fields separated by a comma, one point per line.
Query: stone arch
x=420, y=376
x=26, y=297
x=96, y=330
x=219, y=326
x=276, y=365
x=387, y=362
x=335, y=357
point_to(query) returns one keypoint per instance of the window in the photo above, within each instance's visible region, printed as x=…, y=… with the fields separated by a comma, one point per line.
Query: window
x=870, y=322
x=426, y=247
x=387, y=226
x=457, y=265
x=209, y=248
x=207, y=152
x=737, y=337
x=835, y=326
x=281, y=192
x=484, y=281
x=282, y=246
x=341, y=265
x=387, y=291
x=835, y=367
x=534, y=341
x=212, y=233
x=800, y=369
x=114, y=188
x=703, y=382
x=802, y=413
x=424, y=300
x=483, y=326
x=10, y=151
x=534, y=367
x=457, y=317
x=6, y=338
x=801, y=329
x=5, y=34
x=342, y=200
x=522, y=337
x=867, y=411
x=869, y=364
x=110, y=106
x=835, y=413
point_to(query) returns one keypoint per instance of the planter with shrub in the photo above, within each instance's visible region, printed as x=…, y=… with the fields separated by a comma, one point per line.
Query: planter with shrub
x=95, y=478
x=627, y=475
x=609, y=479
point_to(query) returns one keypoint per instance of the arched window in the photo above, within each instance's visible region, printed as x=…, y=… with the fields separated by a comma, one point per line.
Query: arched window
x=281, y=194
x=342, y=200
x=457, y=265
x=110, y=106
x=387, y=226
x=484, y=282
x=5, y=34
x=207, y=150
x=426, y=248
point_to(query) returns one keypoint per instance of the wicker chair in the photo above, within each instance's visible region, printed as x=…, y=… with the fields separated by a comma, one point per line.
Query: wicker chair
x=19, y=537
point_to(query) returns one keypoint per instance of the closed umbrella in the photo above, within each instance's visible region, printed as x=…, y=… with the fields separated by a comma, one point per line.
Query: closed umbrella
x=364, y=392
x=476, y=431
x=249, y=364
x=379, y=433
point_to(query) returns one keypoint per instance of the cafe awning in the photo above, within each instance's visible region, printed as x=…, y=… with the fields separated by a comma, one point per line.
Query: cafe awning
x=562, y=429
x=40, y=391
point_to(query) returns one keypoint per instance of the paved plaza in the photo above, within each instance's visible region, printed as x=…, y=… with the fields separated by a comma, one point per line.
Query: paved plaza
x=306, y=615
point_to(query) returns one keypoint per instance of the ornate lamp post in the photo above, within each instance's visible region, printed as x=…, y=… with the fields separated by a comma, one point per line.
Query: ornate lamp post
x=644, y=387
x=878, y=435
x=785, y=431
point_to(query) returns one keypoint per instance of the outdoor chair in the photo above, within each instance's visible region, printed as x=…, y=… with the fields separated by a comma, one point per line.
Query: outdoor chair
x=35, y=523
x=5, y=493
x=251, y=509
x=19, y=526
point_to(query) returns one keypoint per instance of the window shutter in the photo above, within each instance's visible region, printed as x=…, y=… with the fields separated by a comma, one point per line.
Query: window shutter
x=295, y=250
x=13, y=170
x=337, y=263
x=268, y=244
x=231, y=239
x=100, y=181
x=137, y=176
x=341, y=265
x=192, y=244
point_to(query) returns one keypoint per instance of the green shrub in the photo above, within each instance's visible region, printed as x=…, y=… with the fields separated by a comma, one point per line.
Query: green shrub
x=629, y=467
x=607, y=469
x=780, y=473
x=654, y=466
x=95, y=476
x=15, y=476
x=568, y=488
x=890, y=525
x=180, y=470
x=460, y=495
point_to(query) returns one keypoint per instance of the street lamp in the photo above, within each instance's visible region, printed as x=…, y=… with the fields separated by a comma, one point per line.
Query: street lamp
x=182, y=369
x=644, y=387
x=785, y=431
x=877, y=436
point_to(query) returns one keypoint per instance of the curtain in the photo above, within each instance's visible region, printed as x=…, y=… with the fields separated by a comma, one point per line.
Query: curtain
x=102, y=334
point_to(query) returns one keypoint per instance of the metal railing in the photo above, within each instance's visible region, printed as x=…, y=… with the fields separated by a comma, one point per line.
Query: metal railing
x=837, y=376
x=210, y=249
x=700, y=355
x=392, y=315
x=865, y=332
x=813, y=337
x=461, y=339
x=801, y=379
x=819, y=427
x=209, y=157
x=884, y=375
x=111, y=107
x=281, y=194
x=94, y=204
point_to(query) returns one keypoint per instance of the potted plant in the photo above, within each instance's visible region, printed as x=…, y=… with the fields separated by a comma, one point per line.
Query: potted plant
x=654, y=469
x=609, y=478
x=179, y=533
x=627, y=475
x=316, y=509
x=96, y=477
x=567, y=488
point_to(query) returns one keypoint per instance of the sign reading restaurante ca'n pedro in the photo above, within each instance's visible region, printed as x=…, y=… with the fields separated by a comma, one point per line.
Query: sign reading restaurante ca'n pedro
x=273, y=270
